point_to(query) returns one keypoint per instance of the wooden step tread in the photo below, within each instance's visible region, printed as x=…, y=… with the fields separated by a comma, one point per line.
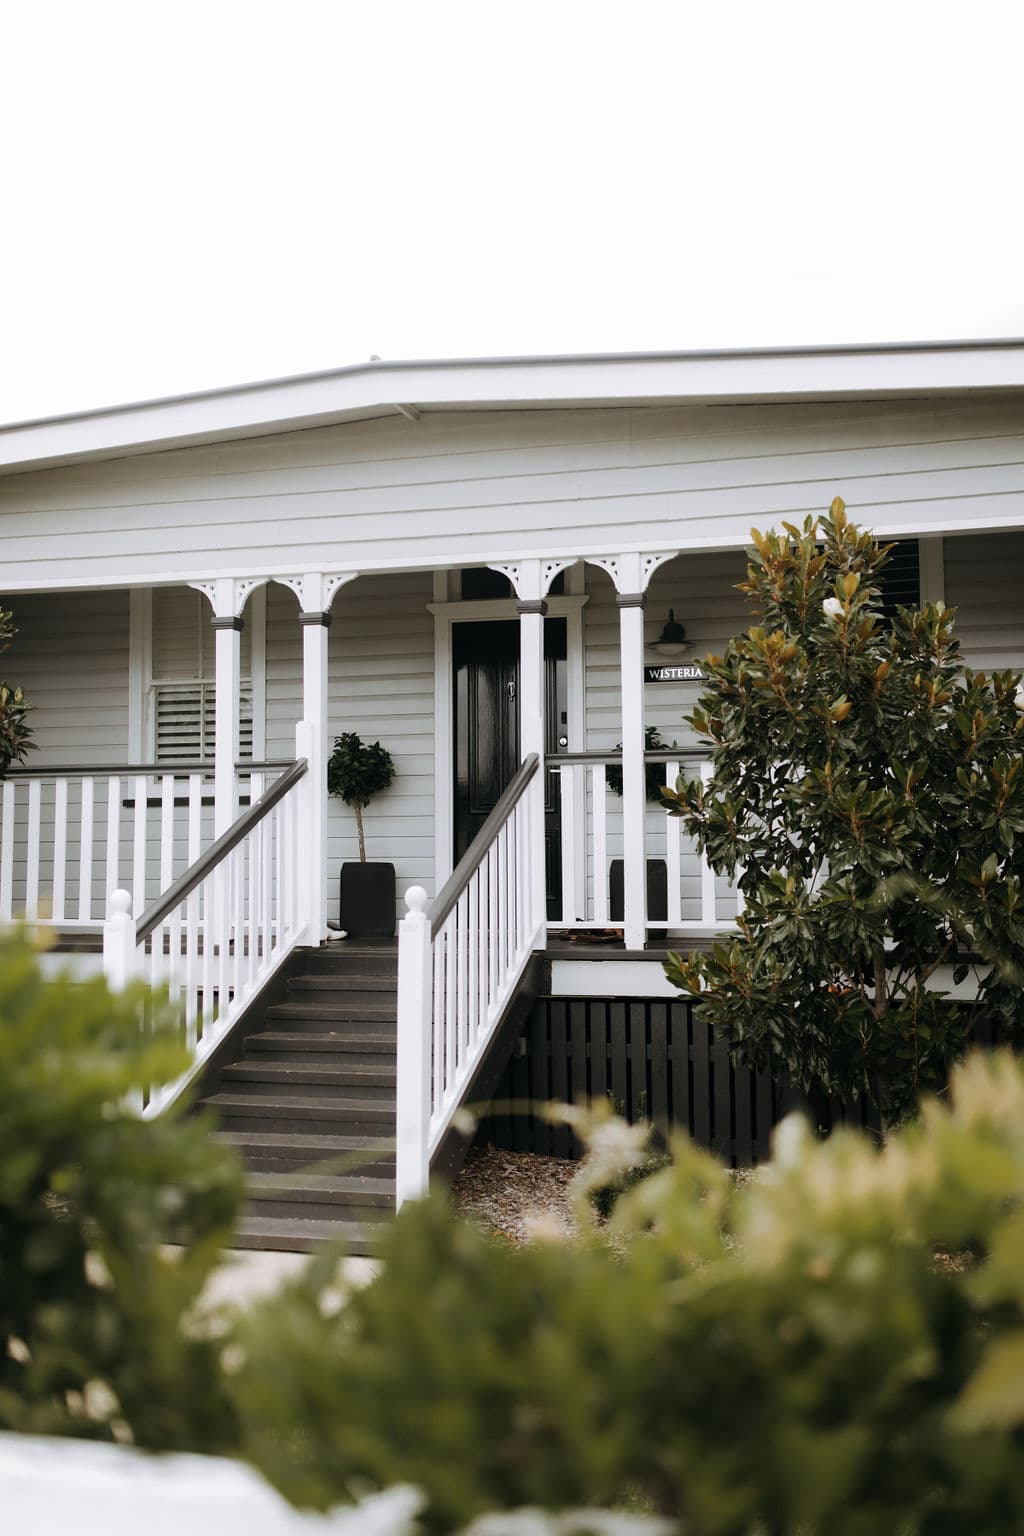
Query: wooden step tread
x=343, y=981
x=286, y=1072
x=356, y=1187
x=293, y=1235
x=344, y=1013
x=334, y=1040
x=318, y=1148
x=307, y=1104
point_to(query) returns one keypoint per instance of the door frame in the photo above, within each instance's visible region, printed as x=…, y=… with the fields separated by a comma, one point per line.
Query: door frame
x=474, y=612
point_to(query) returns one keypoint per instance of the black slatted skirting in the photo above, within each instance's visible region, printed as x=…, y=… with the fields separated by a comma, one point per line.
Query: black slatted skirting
x=652, y=1061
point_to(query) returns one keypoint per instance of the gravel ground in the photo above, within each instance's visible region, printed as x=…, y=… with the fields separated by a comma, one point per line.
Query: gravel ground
x=514, y=1193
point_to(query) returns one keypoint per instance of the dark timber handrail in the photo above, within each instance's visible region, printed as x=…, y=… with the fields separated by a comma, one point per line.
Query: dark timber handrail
x=672, y=755
x=185, y=884
x=137, y=770
x=477, y=850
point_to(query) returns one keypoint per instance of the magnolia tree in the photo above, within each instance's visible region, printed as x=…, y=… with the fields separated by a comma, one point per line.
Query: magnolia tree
x=868, y=798
x=15, y=736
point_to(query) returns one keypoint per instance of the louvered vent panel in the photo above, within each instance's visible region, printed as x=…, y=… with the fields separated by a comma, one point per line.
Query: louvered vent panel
x=901, y=578
x=186, y=722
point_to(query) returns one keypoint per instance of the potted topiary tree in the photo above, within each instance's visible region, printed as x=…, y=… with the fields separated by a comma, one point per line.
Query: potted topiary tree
x=356, y=771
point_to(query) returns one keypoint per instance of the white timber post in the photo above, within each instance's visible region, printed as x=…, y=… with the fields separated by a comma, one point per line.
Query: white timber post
x=315, y=621
x=315, y=592
x=532, y=609
x=304, y=862
x=227, y=595
x=415, y=1040
x=119, y=941
x=531, y=579
x=631, y=572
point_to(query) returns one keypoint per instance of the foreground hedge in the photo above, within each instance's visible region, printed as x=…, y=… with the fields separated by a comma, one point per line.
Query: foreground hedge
x=835, y=1347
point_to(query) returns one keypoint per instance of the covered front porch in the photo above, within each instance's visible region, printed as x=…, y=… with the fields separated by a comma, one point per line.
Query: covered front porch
x=182, y=735
x=162, y=713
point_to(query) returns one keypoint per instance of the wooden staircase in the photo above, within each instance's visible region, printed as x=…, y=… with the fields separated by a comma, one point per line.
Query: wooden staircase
x=313, y=1082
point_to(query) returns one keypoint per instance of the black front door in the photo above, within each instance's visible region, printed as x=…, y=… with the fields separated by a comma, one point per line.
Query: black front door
x=486, y=677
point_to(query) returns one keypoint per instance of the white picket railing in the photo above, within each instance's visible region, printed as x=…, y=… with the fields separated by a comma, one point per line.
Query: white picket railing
x=69, y=836
x=218, y=932
x=459, y=964
x=592, y=841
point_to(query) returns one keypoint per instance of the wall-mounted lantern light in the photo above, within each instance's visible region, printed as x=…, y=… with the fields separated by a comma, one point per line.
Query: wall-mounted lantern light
x=672, y=641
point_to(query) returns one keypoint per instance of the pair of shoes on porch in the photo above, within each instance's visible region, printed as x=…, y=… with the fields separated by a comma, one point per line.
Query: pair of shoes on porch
x=336, y=931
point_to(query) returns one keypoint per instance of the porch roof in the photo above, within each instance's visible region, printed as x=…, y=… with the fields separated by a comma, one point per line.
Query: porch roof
x=410, y=388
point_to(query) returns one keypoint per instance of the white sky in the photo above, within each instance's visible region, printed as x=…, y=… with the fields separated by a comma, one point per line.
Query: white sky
x=196, y=194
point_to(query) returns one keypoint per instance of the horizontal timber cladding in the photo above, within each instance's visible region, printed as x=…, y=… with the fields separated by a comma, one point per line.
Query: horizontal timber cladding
x=461, y=487
x=70, y=655
x=652, y=1060
x=984, y=579
x=380, y=685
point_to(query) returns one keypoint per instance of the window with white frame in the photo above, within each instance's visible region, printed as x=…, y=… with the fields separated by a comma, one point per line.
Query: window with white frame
x=183, y=691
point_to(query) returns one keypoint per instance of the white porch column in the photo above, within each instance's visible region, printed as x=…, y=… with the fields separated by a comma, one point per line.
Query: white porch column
x=315, y=592
x=531, y=580
x=531, y=736
x=227, y=595
x=631, y=574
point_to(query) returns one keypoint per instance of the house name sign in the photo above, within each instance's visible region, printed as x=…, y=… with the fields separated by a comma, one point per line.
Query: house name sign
x=688, y=672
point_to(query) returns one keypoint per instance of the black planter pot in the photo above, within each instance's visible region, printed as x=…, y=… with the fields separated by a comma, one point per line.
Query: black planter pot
x=657, y=891
x=368, y=900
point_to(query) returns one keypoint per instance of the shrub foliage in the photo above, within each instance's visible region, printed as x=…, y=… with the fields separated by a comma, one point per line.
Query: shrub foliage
x=15, y=734
x=810, y=1354
x=94, y=1304
x=356, y=771
x=868, y=794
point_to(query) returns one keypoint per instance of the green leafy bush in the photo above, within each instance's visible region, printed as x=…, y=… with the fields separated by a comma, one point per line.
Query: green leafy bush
x=94, y=1303
x=868, y=793
x=356, y=771
x=654, y=773
x=15, y=734
x=800, y=1356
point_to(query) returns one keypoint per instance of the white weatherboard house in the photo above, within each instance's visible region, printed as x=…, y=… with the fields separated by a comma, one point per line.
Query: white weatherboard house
x=475, y=563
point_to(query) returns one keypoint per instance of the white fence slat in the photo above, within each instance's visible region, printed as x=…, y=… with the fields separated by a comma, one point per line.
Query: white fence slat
x=7, y=809
x=599, y=812
x=32, y=850
x=139, y=824
x=166, y=830
x=437, y=1030
x=85, y=837
x=112, y=872
x=571, y=911
x=673, y=857
x=707, y=874
x=450, y=1012
x=60, y=849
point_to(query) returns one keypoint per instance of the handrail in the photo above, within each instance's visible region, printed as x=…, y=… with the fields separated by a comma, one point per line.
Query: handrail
x=673, y=755
x=193, y=876
x=477, y=850
x=150, y=770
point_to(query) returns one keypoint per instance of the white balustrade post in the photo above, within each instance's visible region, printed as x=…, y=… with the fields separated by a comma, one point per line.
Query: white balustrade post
x=227, y=595
x=306, y=856
x=119, y=945
x=631, y=573
x=415, y=1044
x=528, y=578
x=634, y=788
x=228, y=641
x=314, y=714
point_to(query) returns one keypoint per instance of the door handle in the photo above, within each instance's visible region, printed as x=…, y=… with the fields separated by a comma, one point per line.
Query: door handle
x=563, y=741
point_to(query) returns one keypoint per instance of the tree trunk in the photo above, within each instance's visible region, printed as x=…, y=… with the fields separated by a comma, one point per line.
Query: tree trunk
x=359, y=829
